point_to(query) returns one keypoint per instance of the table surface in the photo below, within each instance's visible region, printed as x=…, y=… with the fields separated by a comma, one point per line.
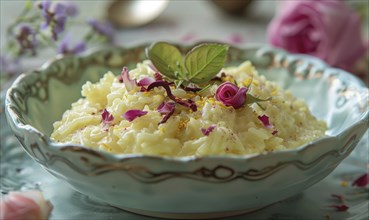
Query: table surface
x=184, y=22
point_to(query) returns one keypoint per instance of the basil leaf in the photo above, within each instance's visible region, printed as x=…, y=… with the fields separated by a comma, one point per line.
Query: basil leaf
x=203, y=62
x=167, y=59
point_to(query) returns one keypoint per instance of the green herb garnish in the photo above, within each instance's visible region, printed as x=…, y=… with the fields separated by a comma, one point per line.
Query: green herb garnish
x=198, y=66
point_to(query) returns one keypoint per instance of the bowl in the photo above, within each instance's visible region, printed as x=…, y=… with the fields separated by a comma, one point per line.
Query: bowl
x=189, y=187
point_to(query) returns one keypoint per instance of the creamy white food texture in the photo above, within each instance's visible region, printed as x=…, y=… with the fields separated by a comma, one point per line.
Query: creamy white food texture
x=234, y=131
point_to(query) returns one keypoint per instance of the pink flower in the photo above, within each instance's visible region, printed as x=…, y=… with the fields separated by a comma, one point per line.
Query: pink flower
x=25, y=205
x=230, y=95
x=329, y=30
x=131, y=115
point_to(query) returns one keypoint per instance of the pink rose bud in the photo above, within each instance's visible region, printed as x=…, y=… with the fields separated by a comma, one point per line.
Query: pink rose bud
x=230, y=95
x=25, y=205
x=329, y=30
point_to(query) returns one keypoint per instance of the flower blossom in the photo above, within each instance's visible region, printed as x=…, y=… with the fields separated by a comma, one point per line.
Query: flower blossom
x=25, y=205
x=55, y=15
x=104, y=29
x=65, y=48
x=26, y=38
x=329, y=30
x=230, y=95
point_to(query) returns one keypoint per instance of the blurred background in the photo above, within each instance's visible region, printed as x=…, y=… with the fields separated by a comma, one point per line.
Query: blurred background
x=132, y=22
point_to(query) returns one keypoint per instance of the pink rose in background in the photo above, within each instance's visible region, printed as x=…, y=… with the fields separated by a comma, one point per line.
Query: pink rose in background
x=24, y=205
x=330, y=30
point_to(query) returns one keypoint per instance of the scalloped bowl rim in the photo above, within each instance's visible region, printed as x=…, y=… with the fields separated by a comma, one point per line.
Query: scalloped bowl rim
x=120, y=157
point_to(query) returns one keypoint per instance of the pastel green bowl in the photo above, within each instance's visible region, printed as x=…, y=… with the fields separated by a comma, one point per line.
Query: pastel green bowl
x=189, y=187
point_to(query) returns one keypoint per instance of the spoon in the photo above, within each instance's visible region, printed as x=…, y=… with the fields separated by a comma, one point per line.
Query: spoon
x=134, y=13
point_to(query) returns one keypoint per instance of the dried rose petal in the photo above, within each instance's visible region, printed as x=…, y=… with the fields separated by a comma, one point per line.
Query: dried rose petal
x=191, y=89
x=187, y=103
x=362, y=181
x=131, y=115
x=145, y=81
x=166, y=109
x=158, y=76
x=207, y=131
x=25, y=205
x=130, y=84
x=340, y=208
x=265, y=120
x=107, y=118
x=338, y=197
x=230, y=95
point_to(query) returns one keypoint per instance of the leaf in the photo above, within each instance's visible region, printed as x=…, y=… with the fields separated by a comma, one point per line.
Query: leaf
x=167, y=59
x=252, y=99
x=203, y=62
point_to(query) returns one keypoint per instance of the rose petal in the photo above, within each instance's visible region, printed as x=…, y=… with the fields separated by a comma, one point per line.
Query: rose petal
x=145, y=81
x=129, y=84
x=207, y=131
x=107, y=118
x=265, y=120
x=166, y=109
x=131, y=115
x=187, y=103
x=362, y=181
x=338, y=197
x=340, y=208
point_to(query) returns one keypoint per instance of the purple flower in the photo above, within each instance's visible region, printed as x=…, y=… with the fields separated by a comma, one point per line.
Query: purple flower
x=55, y=16
x=207, y=131
x=107, y=118
x=70, y=9
x=166, y=109
x=103, y=28
x=65, y=48
x=131, y=115
x=26, y=38
x=230, y=95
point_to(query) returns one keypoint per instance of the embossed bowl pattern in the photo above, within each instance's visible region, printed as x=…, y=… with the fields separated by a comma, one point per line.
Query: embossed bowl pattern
x=212, y=186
